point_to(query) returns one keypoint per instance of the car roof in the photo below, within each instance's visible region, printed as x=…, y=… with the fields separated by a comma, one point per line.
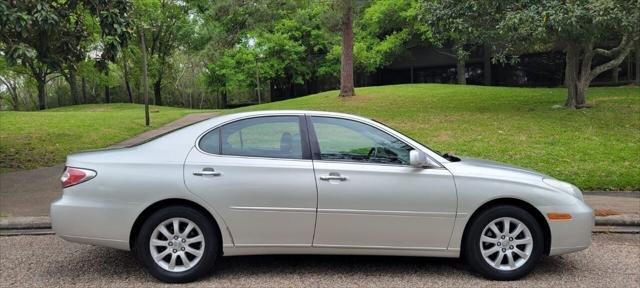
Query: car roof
x=229, y=117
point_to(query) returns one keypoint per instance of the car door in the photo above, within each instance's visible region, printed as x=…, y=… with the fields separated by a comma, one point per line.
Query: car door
x=257, y=173
x=369, y=196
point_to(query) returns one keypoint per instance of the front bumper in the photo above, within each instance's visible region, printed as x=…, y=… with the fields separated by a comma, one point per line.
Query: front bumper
x=93, y=222
x=570, y=235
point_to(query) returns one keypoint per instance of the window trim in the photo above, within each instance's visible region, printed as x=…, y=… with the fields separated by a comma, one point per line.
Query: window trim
x=315, y=144
x=304, y=138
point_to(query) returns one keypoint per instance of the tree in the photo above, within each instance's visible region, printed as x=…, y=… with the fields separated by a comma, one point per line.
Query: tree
x=600, y=31
x=49, y=37
x=346, y=59
x=385, y=30
x=32, y=35
x=167, y=21
x=145, y=84
x=461, y=24
x=115, y=31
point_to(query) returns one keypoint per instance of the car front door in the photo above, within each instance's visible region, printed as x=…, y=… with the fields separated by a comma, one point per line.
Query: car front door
x=257, y=173
x=369, y=196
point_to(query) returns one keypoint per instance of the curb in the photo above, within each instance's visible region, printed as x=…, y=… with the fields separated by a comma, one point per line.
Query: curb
x=18, y=223
x=44, y=222
x=618, y=220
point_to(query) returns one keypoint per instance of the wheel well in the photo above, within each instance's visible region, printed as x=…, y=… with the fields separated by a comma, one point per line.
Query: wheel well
x=166, y=203
x=518, y=203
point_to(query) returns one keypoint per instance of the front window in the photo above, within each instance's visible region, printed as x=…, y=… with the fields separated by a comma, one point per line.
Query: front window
x=348, y=140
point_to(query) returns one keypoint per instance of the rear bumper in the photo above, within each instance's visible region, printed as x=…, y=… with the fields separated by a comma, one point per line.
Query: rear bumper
x=570, y=235
x=93, y=222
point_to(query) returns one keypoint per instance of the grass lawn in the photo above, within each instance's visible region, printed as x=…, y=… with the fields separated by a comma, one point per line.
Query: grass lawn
x=35, y=139
x=597, y=148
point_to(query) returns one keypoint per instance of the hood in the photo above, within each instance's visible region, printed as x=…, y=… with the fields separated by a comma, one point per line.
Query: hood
x=492, y=169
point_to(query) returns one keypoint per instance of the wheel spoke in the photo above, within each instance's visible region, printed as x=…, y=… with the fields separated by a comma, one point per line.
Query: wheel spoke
x=156, y=242
x=162, y=255
x=176, y=227
x=495, y=229
x=490, y=251
x=522, y=241
x=164, y=231
x=196, y=239
x=516, y=232
x=488, y=239
x=506, y=223
x=185, y=260
x=498, y=260
x=193, y=252
x=187, y=229
x=512, y=264
x=172, y=263
x=521, y=253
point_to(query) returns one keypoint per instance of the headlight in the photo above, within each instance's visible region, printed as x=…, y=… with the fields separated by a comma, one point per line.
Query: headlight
x=564, y=187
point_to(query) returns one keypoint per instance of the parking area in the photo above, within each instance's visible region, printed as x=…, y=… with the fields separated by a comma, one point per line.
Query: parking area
x=47, y=261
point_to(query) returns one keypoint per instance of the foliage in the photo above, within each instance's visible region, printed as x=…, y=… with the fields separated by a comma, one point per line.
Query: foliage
x=46, y=37
x=462, y=24
x=385, y=30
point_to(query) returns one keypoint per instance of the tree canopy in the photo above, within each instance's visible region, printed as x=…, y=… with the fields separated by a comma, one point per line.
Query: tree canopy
x=203, y=53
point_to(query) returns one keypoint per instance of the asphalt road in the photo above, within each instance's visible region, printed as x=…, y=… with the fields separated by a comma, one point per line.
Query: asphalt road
x=46, y=261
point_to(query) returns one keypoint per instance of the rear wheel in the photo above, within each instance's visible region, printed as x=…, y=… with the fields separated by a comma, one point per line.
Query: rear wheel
x=177, y=244
x=504, y=243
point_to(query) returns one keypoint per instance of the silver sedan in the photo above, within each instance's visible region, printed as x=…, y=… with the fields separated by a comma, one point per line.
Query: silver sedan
x=305, y=182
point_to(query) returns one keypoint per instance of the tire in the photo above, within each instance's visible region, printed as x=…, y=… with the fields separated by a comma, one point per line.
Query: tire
x=512, y=248
x=200, y=253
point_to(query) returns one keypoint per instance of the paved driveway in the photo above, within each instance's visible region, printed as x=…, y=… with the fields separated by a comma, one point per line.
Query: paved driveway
x=47, y=261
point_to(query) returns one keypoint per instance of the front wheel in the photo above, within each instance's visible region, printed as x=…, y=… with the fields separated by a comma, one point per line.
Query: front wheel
x=504, y=243
x=177, y=244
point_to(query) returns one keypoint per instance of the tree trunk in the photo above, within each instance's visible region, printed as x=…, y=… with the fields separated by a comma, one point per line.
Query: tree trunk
x=107, y=91
x=615, y=74
x=125, y=65
x=73, y=85
x=145, y=85
x=486, y=71
x=84, y=90
x=460, y=70
x=571, y=75
x=638, y=65
x=157, y=91
x=346, y=61
x=258, y=83
x=42, y=97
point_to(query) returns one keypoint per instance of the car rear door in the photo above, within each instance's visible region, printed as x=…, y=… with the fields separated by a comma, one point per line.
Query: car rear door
x=257, y=174
x=368, y=195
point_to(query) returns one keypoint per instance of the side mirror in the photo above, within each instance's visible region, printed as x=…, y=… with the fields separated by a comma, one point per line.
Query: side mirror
x=417, y=158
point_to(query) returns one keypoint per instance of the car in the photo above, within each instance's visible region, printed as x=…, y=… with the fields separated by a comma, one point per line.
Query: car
x=309, y=182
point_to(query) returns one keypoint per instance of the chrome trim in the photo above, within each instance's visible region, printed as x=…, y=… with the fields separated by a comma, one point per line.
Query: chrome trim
x=272, y=209
x=383, y=212
x=379, y=247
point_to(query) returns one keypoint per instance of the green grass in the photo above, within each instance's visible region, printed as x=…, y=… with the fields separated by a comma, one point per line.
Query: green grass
x=597, y=148
x=36, y=139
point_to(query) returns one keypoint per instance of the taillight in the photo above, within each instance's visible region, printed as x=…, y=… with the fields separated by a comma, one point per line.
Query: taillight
x=73, y=176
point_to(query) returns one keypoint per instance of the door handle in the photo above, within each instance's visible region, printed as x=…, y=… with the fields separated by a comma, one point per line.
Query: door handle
x=207, y=172
x=333, y=176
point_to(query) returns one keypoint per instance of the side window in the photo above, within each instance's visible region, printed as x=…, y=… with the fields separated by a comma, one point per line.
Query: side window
x=210, y=142
x=273, y=137
x=347, y=140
